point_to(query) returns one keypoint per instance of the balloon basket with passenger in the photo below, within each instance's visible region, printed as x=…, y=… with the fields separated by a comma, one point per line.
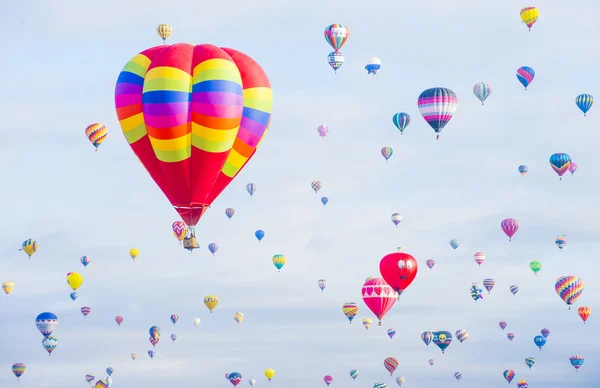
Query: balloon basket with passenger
x=189, y=242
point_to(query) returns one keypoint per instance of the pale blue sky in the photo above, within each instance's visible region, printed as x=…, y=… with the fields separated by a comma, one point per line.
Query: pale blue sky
x=61, y=62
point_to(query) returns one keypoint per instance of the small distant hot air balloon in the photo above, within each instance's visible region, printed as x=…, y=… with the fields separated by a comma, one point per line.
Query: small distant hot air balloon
x=430, y=263
x=482, y=91
x=387, y=152
x=390, y=363
x=49, y=343
x=523, y=170
x=522, y=384
x=335, y=60
x=29, y=247
x=213, y=247
x=560, y=163
x=18, y=369
x=391, y=333
x=400, y=380
x=437, y=106
x=584, y=313
x=252, y=382
x=119, y=320
x=46, y=323
x=279, y=261
x=269, y=374
x=74, y=280
x=102, y=383
x=323, y=130
x=584, y=102
x=316, y=186
x=234, y=378
x=509, y=227
x=576, y=361
x=373, y=64
x=350, y=309
x=462, y=335
x=327, y=379
x=251, y=188
x=367, y=322
x=535, y=266
x=259, y=234
x=73, y=295
x=133, y=356
x=324, y=200
x=174, y=318
x=573, y=167
x=489, y=284
x=479, y=258
x=109, y=371
x=396, y=218
x=561, y=241
x=134, y=253
x=196, y=321
x=509, y=375
x=545, y=332
x=85, y=310
x=525, y=75
x=475, y=292
x=539, y=341
x=337, y=35
x=164, y=31
x=401, y=121
x=179, y=230
x=173, y=337
x=427, y=337
x=322, y=283
x=529, y=15
x=379, y=296
x=502, y=324
x=96, y=134
x=458, y=376
x=238, y=317
x=569, y=288
x=211, y=301
x=151, y=353
x=514, y=289
x=442, y=339
x=85, y=260
x=454, y=243
x=510, y=336
x=529, y=361
x=90, y=378
x=354, y=374
x=380, y=385
x=7, y=287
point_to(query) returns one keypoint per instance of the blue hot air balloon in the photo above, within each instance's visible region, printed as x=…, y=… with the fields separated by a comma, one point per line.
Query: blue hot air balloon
x=401, y=121
x=229, y=212
x=251, y=188
x=324, y=200
x=259, y=234
x=525, y=75
x=523, y=169
x=46, y=323
x=584, y=102
x=109, y=371
x=540, y=341
x=454, y=243
x=73, y=295
x=213, y=247
x=373, y=65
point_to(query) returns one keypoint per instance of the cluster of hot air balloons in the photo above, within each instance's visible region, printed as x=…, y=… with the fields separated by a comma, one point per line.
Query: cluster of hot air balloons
x=235, y=378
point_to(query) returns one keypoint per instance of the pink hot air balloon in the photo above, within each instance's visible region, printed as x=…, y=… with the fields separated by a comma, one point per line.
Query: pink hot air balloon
x=328, y=379
x=573, y=168
x=509, y=227
x=390, y=363
x=479, y=257
x=502, y=325
x=85, y=310
x=119, y=320
x=430, y=263
x=379, y=297
x=323, y=129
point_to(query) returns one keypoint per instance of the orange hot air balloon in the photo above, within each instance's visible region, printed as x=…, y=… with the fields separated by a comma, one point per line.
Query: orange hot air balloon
x=584, y=313
x=194, y=116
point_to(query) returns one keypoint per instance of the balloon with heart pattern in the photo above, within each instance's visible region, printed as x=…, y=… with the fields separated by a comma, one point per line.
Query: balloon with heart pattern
x=378, y=296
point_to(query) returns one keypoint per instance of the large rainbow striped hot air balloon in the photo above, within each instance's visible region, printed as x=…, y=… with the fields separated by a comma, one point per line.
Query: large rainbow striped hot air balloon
x=569, y=288
x=194, y=115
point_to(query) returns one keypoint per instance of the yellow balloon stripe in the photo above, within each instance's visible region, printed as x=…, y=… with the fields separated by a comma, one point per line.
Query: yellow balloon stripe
x=167, y=84
x=214, y=146
x=217, y=69
x=259, y=98
x=173, y=156
x=171, y=144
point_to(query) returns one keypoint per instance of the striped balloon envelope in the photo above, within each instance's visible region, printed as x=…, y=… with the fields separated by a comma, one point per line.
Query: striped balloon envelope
x=96, y=134
x=194, y=116
x=437, y=106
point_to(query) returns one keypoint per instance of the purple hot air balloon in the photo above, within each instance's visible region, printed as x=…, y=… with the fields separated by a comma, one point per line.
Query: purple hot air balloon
x=573, y=168
x=545, y=332
x=430, y=263
x=510, y=336
x=323, y=129
x=502, y=324
x=509, y=227
x=328, y=379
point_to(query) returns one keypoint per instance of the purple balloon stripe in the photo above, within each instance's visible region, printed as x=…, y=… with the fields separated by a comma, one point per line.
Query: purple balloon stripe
x=125, y=88
x=166, y=108
x=253, y=126
x=218, y=98
x=167, y=121
x=220, y=111
x=127, y=99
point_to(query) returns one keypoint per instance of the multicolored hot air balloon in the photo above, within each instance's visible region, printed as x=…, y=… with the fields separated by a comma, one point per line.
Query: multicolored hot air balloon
x=29, y=247
x=523, y=170
x=509, y=375
x=164, y=31
x=90, y=378
x=437, y=106
x=373, y=64
x=323, y=130
x=430, y=263
x=442, y=339
x=482, y=91
x=539, y=341
x=109, y=371
x=391, y=333
x=367, y=322
x=560, y=163
x=502, y=324
x=573, y=167
x=85, y=260
x=335, y=60
x=399, y=269
x=279, y=261
x=234, y=378
x=322, y=283
x=85, y=310
x=479, y=258
x=49, y=343
x=462, y=335
x=387, y=152
x=401, y=121
x=427, y=337
x=396, y=218
x=18, y=369
x=211, y=302
x=390, y=364
x=151, y=353
x=102, y=383
x=327, y=379
x=475, y=292
x=569, y=288
x=510, y=336
x=514, y=289
x=584, y=102
x=337, y=35
x=197, y=108
x=522, y=384
x=316, y=186
x=529, y=361
x=179, y=230
x=379, y=297
x=584, y=313
x=350, y=309
x=46, y=323
x=229, y=212
x=380, y=385
x=174, y=318
x=545, y=332
x=354, y=374
x=529, y=15
x=489, y=284
x=576, y=361
x=525, y=75
x=96, y=134
x=238, y=317
x=251, y=188
x=509, y=227
x=400, y=380
x=535, y=266
x=561, y=241
x=7, y=287
x=458, y=376
x=454, y=243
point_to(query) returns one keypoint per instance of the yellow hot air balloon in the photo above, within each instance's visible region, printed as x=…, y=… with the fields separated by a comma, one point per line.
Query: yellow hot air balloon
x=239, y=317
x=529, y=15
x=367, y=322
x=211, y=301
x=134, y=252
x=29, y=246
x=269, y=373
x=8, y=287
x=75, y=280
x=279, y=261
x=164, y=31
x=133, y=356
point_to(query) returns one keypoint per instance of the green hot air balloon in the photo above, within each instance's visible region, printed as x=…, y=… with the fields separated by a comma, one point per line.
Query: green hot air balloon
x=535, y=266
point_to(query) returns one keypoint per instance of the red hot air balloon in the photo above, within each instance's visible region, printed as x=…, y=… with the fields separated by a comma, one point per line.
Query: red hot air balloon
x=378, y=296
x=194, y=115
x=399, y=270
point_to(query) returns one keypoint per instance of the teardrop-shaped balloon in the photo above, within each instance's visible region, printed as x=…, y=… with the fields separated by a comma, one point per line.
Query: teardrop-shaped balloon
x=437, y=106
